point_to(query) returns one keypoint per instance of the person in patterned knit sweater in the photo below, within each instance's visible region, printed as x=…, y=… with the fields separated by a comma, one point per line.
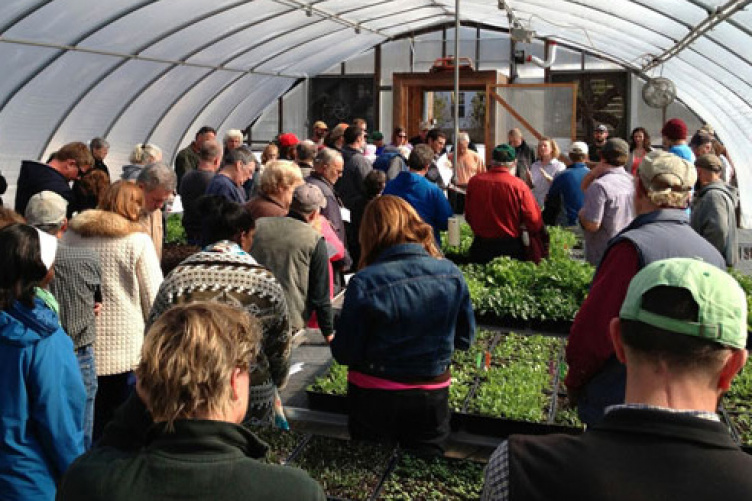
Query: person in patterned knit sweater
x=224, y=272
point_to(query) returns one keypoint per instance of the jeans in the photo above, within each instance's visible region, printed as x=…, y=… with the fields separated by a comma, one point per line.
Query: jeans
x=605, y=389
x=86, y=363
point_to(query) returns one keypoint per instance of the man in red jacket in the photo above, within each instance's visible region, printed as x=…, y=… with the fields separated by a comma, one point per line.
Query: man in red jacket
x=496, y=207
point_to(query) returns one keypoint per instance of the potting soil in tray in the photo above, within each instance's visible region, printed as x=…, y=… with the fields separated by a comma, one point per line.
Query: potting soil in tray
x=281, y=443
x=443, y=479
x=345, y=469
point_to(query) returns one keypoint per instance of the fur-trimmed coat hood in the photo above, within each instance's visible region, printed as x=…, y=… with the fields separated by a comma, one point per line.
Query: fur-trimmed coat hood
x=102, y=223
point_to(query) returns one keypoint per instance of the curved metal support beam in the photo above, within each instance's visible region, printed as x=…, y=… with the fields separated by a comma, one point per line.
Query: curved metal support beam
x=23, y=16
x=721, y=14
x=43, y=64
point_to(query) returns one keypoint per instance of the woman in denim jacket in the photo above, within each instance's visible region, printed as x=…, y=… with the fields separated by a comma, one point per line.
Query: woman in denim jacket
x=404, y=314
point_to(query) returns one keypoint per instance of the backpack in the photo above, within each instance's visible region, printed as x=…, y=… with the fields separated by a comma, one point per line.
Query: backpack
x=383, y=161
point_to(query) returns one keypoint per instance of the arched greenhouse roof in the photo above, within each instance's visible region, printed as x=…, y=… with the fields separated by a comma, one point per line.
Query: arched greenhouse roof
x=156, y=70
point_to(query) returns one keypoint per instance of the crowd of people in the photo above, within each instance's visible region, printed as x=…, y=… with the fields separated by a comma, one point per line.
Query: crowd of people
x=121, y=381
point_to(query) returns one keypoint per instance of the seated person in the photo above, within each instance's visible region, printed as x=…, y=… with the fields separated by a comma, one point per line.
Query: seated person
x=193, y=379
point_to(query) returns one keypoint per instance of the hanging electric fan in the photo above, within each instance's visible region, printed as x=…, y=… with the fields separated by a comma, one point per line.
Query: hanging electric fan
x=659, y=92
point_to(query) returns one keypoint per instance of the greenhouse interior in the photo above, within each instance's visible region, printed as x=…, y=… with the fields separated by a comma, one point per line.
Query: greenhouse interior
x=138, y=72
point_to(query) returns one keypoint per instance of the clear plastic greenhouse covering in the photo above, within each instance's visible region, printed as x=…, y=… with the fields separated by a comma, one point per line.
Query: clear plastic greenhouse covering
x=154, y=71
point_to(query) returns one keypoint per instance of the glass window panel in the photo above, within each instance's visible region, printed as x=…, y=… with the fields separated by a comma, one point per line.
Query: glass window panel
x=386, y=126
x=467, y=42
x=494, y=48
x=267, y=126
x=361, y=64
x=395, y=58
x=295, y=112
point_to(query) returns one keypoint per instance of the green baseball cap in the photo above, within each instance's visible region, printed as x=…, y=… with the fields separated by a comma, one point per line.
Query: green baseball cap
x=503, y=153
x=722, y=304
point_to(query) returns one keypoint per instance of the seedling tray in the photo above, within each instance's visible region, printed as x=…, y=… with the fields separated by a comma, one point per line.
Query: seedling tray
x=345, y=469
x=326, y=402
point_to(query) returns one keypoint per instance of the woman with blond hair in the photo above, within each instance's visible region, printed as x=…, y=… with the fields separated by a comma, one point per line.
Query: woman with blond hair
x=141, y=155
x=545, y=169
x=130, y=279
x=277, y=184
x=404, y=314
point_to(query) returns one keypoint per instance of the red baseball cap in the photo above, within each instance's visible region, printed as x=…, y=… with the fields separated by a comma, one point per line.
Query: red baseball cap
x=288, y=139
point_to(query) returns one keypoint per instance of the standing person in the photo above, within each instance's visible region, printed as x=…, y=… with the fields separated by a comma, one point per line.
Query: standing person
x=181, y=437
x=639, y=146
x=193, y=186
x=224, y=272
x=466, y=163
x=545, y=169
x=600, y=136
x=336, y=137
x=398, y=357
x=714, y=208
x=287, y=146
x=233, y=140
x=425, y=197
x=68, y=164
x=158, y=182
x=373, y=186
x=187, y=158
x=99, y=150
x=423, y=129
x=228, y=182
x=399, y=137
x=377, y=139
x=524, y=155
x=665, y=441
x=674, y=134
x=297, y=255
x=320, y=130
x=42, y=396
x=141, y=155
x=436, y=140
x=498, y=205
x=567, y=188
x=276, y=186
x=660, y=230
x=305, y=153
x=77, y=287
x=327, y=169
x=89, y=190
x=357, y=167
x=607, y=207
x=130, y=278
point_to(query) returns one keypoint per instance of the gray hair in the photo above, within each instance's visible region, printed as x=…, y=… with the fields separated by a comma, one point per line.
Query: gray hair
x=98, y=143
x=326, y=156
x=209, y=150
x=306, y=150
x=463, y=137
x=235, y=156
x=157, y=175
